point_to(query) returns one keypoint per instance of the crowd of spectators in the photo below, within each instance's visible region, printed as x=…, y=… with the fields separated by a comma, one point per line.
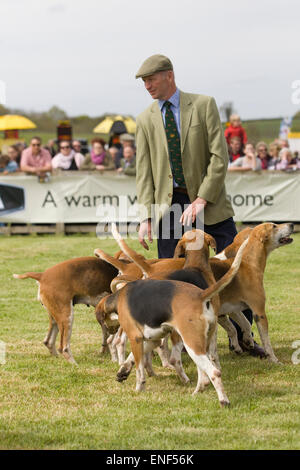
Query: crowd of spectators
x=120, y=157
x=245, y=156
x=66, y=155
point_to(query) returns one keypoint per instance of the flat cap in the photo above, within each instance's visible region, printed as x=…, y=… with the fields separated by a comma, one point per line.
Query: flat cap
x=155, y=63
x=126, y=138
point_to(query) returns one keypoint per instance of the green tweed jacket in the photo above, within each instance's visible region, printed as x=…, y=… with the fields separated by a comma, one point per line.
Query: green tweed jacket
x=204, y=158
x=130, y=170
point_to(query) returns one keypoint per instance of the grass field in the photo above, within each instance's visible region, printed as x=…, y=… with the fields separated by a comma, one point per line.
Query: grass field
x=46, y=403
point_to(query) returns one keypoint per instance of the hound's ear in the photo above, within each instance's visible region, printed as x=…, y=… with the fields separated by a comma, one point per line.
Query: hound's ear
x=211, y=242
x=180, y=249
x=263, y=235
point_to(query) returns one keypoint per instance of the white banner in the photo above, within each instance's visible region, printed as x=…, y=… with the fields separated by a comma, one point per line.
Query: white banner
x=89, y=197
x=264, y=196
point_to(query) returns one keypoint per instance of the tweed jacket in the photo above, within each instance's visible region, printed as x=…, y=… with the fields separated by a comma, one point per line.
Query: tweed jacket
x=204, y=158
x=129, y=170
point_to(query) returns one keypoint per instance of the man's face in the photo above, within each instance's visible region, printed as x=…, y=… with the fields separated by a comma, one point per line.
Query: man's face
x=128, y=153
x=113, y=152
x=262, y=152
x=36, y=146
x=76, y=146
x=235, y=145
x=158, y=84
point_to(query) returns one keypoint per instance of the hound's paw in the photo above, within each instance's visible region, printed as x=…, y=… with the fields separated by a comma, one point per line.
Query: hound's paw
x=122, y=374
x=225, y=403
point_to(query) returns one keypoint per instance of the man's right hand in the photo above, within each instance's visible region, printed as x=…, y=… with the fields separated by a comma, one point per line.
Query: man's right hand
x=145, y=229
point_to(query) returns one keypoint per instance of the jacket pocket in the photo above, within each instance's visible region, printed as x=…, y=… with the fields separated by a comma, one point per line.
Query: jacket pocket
x=196, y=129
x=195, y=126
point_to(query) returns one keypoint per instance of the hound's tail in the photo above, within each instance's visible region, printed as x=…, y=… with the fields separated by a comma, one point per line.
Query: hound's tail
x=117, y=263
x=36, y=276
x=227, y=278
x=138, y=259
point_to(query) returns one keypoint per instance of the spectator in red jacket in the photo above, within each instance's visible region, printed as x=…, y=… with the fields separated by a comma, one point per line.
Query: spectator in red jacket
x=235, y=129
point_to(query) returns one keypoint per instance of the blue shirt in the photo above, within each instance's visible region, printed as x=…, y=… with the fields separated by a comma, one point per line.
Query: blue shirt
x=175, y=108
x=10, y=167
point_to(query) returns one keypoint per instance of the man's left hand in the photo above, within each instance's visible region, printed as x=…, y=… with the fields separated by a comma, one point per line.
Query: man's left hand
x=190, y=214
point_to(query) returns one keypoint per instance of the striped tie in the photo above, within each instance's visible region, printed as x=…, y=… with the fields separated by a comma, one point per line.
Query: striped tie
x=173, y=139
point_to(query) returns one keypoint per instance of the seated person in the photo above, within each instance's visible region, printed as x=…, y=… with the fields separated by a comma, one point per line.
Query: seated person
x=262, y=153
x=248, y=162
x=235, y=148
x=51, y=147
x=287, y=160
x=128, y=162
x=14, y=154
x=7, y=165
x=98, y=159
x=67, y=158
x=21, y=146
x=283, y=143
x=114, y=141
x=235, y=129
x=126, y=140
x=115, y=155
x=274, y=154
x=76, y=145
x=35, y=159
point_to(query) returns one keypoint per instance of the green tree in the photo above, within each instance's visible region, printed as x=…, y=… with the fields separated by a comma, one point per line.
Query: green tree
x=296, y=123
x=3, y=110
x=57, y=114
x=226, y=110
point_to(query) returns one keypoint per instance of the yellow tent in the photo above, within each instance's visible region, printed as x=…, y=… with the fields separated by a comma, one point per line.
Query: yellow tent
x=130, y=125
x=15, y=122
x=118, y=125
x=104, y=126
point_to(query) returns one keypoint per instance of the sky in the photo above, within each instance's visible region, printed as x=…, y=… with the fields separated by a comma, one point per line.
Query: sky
x=82, y=55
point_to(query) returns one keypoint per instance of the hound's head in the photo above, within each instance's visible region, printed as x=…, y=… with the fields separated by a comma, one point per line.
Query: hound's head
x=195, y=242
x=273, y=235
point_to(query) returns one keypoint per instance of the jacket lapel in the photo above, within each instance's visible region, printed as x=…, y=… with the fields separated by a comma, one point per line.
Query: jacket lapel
x=185, y=116
x=158, y=123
